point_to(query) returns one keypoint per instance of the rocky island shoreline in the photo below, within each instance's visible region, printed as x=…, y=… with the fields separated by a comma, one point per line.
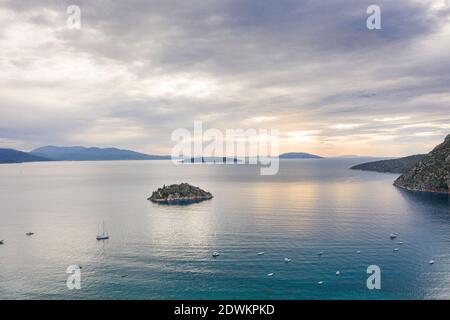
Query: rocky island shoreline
x=423, y=172
x=183, y=193
x=431, y=173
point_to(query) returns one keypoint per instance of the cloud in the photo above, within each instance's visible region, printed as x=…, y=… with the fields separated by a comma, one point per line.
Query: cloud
x=155, y=66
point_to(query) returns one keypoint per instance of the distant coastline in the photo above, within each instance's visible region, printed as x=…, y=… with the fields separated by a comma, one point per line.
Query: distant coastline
x=53, y=153
x=15, y=156
x=79, y=153
x=299, y=155
x=398, y=165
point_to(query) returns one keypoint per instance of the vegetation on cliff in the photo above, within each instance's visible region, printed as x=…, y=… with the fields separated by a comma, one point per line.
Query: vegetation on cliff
x=431, y=173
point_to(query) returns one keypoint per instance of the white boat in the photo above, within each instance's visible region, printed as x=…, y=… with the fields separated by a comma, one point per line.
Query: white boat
x=104, y=235
x=338, y=273
x=260, y=253
x=431, y=262
x=392, y=236
x=320, y=282
x=287, y=260
x=320, y=253
x=400, y=243
x=270, y=274
x=215, y=254
x=396, y=249
x=358, y=252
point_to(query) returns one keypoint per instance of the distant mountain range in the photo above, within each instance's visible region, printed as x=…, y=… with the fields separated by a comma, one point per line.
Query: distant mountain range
x=299, y=155
x=52, y=153
x=399, y=165
x=91, y=154
x=15, y=156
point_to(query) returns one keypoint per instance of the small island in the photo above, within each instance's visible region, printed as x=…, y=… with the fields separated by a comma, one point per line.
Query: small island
x=299, y=155
x=183, y=193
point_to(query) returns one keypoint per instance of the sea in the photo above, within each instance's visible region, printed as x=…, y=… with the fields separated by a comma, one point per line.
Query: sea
x=318, y=213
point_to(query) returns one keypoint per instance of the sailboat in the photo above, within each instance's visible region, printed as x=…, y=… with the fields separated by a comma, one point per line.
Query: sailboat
x=104, y=235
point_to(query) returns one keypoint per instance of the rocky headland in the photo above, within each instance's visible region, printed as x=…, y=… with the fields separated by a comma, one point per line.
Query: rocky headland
x=431, y=173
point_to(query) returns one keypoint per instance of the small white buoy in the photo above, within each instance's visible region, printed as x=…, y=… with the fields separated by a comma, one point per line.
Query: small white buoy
x=338, y=273
x=260, y=253
x=396, y=249
x=431, y=262
x=320, y=282
x=270, y=274
x=215, y=254
x=287, y=260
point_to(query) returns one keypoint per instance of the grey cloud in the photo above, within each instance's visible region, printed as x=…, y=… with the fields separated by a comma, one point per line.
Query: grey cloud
x=308, y=63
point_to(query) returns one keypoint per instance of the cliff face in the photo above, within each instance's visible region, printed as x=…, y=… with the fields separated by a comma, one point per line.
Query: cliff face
x=431, y=173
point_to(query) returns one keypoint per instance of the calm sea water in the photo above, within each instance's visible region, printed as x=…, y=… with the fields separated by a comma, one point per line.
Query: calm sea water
x=164, y=252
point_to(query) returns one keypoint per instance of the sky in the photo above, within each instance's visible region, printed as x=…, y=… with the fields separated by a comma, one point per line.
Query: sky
x=137, y=70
